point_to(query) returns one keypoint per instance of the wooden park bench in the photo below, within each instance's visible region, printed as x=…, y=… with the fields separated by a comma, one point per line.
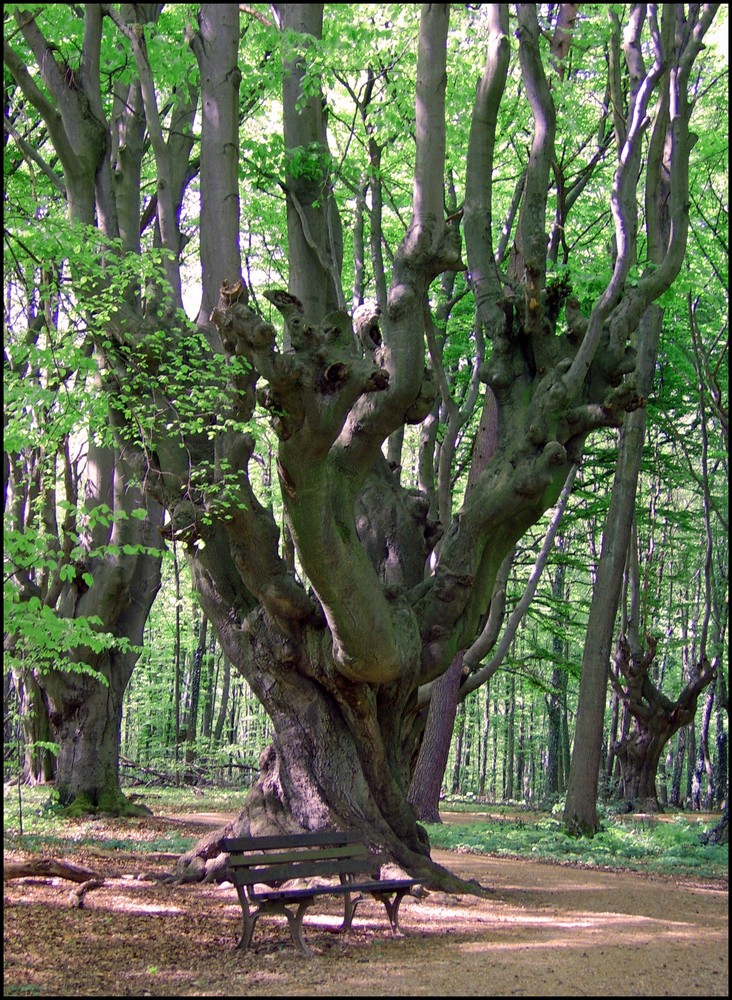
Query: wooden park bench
x=262, y=864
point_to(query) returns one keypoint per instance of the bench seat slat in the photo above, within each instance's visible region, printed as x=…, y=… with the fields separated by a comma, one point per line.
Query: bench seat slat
x=377, y=886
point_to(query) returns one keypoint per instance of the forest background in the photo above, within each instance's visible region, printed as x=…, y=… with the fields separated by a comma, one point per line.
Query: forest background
x=80, y=513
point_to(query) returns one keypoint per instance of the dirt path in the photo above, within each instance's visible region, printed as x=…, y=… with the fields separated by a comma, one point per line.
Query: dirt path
x=545, y=931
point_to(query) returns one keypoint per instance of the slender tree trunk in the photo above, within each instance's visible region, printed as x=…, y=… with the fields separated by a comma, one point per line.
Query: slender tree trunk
x=521, y=753
x=580, y=814
x=721, y=781
x=458, y=740
x=424, y=791
x=467, y=751
x=689, y=768
x=218, y=732
x=675, y=797
x=703, y=763
x=662, y=783
x=39, y=764
x=556, y=699
x=210, y=675
x=612, y=740
x=195, y=693
x=510, y=746
x=482, y=786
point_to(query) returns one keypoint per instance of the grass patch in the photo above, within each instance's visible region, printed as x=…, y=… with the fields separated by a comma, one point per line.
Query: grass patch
x=669, y=847
x=47, y=830
x=79, y=840
x=186, y=800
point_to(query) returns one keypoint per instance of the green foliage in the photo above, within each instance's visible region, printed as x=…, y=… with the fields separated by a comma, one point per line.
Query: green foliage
x=308, y=162
x=45, y=640
x=642, y=845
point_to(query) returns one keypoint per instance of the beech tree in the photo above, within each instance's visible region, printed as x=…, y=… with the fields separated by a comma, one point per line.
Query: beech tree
x=375, y=584
x=82, y=542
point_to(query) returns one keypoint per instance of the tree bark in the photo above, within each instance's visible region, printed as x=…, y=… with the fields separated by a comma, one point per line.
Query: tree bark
x=216, y=47
x=313, y=222
x=426, y=785
x=39, y=764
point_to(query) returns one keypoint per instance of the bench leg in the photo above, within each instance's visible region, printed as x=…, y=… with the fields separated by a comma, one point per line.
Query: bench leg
x=392, y=907
x=349, y=909
x=248, y=920
x=295, y=922
x=248, y=923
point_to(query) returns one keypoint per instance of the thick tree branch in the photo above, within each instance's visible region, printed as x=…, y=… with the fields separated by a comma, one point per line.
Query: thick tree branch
x=623, y=202
x=478, y=209
x=531, y=237
x=167, y=219
x=45, y=108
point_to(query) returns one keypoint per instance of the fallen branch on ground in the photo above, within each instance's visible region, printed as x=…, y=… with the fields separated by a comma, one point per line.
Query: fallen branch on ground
x=53, y=868
x=46, y=868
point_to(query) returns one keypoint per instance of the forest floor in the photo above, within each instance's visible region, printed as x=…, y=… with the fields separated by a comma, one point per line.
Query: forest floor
x=544, y=930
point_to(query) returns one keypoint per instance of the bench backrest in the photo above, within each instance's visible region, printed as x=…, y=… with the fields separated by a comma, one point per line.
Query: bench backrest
x=281, y=858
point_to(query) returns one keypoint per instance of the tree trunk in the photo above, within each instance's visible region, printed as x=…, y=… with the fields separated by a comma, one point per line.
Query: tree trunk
x=704, y=761
x=483, y=782
x=655, y=718
x=611, y=761
x=218, y=731
x=510, y=744
x=675, y=796
x=195, y=692
x=521, y=754
x=721, y=780
x=315, y=239
x=639, y=756
x=424, y=791
x=720, y=833
x=86, y=716
x=556, y=701
x=86, y=711
x=330, y=763
x=39, y=763
x=459, y=737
